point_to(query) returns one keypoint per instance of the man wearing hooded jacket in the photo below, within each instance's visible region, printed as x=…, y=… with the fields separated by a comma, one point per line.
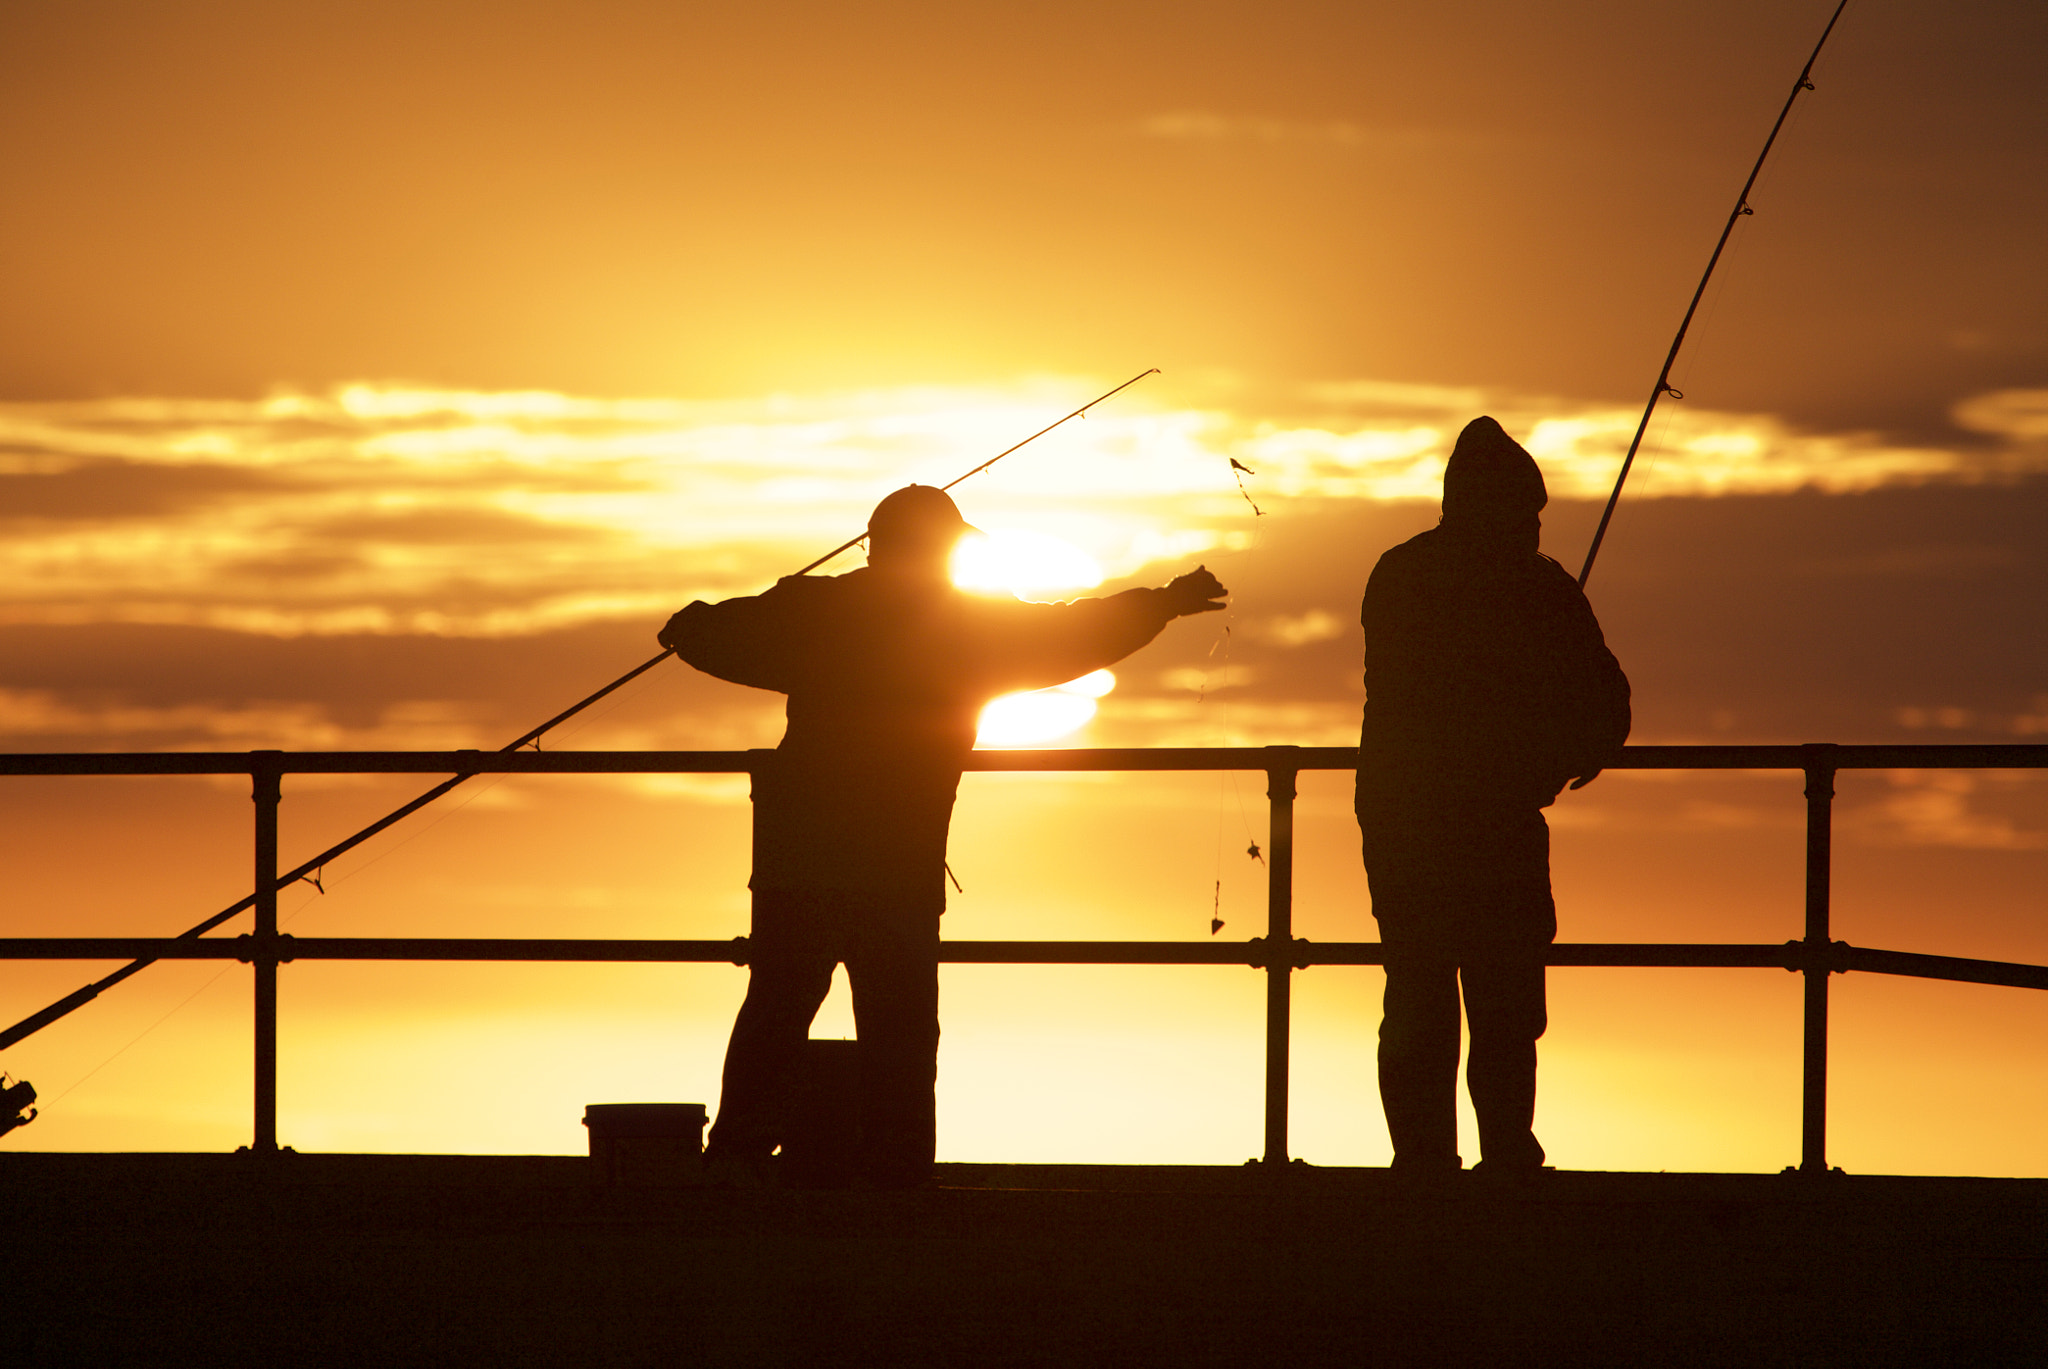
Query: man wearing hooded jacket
x=1489, y=687
x=886, y=669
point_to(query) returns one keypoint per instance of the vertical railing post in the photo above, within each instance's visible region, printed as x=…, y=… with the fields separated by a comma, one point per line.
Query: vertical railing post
x=1813, y=1112
x=266, y=784
x=1283, y=765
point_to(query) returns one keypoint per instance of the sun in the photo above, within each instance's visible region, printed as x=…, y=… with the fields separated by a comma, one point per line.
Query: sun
x=1028, y=564
x=1023, y=563
x=1043, y=714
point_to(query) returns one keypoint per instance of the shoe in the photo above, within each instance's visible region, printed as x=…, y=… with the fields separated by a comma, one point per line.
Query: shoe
x=1494, y=1174
x=1436, y=1175
x=1433, y=1164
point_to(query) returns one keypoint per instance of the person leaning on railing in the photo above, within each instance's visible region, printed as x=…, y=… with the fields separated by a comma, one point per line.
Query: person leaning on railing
x=1488, y=689
x=886, y=669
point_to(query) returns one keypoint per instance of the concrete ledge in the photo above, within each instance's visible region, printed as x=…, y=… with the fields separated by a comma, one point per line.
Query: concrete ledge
x=479, y=1260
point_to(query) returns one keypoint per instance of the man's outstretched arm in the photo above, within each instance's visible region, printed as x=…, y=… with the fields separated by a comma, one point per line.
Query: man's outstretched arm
x=1058, y=642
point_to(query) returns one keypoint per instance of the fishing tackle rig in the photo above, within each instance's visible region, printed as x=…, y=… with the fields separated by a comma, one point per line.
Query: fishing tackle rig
x=1663, y=386
x=17, y=1103
x=310, y=870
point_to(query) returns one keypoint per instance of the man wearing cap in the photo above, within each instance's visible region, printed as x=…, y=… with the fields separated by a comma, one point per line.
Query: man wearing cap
x=886, y=669
x=1488, y=689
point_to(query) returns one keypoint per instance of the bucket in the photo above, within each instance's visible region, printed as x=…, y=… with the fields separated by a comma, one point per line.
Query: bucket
x=649, y=1144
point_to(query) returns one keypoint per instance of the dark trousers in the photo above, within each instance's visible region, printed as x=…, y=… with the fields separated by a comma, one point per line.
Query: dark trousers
x=1463, y=902
x=1418, y=1055
x=891, y=954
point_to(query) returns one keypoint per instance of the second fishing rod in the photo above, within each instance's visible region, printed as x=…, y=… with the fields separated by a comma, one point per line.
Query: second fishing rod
x=1663, y=387
x=70, y=1003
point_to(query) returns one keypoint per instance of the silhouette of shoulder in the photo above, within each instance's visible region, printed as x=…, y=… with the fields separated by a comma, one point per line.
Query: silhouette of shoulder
x=757, y=639
x=862, y=632
x=1436, y=584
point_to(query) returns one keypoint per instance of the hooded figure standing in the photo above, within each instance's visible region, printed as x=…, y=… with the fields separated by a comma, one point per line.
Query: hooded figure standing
x=886, y=669
x=1488, y=688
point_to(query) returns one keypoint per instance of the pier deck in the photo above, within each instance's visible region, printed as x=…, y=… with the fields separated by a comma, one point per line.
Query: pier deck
x=476, y=1260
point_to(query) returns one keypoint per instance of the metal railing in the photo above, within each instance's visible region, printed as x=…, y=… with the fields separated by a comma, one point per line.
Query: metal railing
x=1279, y=953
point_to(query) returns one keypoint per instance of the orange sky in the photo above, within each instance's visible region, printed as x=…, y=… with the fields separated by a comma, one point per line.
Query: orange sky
x=381, y=376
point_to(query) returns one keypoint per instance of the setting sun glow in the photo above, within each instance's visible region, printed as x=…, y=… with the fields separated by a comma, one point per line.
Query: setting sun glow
x=1042, y=714
x=1023, y=563
x=1026, y=563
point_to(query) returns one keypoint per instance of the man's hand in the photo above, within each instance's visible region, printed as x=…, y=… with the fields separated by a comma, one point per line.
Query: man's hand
x=672, y=634
x=1196, y=592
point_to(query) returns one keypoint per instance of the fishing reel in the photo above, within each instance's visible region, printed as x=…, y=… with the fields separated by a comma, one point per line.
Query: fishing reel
x=17, y=1104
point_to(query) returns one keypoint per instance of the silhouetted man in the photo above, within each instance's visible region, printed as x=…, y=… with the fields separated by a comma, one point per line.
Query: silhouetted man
x=886, y=669
x=1488, y=688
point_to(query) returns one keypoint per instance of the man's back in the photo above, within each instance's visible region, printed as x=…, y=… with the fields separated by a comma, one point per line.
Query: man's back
x=1487, y=679
x=886, y=675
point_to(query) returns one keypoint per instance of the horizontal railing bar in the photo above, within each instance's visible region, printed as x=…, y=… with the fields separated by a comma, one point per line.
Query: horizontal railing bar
x=1097, y=758
x=1906, y=756
x=1102, y=953
x=383, y=762
x=732, y=952
x=1887, y=756
x=1610, y=954
x=1303, y=953
x=1957, y=968
x=634, y=762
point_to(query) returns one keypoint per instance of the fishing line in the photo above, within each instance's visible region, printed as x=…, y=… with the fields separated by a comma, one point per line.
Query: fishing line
x=1219, y=735
x=169, y=1013
x=1223, y=780
x=286, y=919
x=317, y=881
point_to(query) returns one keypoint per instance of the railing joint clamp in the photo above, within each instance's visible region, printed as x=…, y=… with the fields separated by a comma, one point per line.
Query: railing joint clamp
x=742, y=951
x=1298, y=954
x=246, y=949
x=1801, y=956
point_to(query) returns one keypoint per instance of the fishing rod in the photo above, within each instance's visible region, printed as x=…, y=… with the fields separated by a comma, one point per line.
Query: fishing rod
x=34, y=1023
x=854, y=542
x=1663, y=386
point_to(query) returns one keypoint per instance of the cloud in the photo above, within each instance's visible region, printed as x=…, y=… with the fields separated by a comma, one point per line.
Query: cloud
x=1198, y=126
x=1380, y=441
x=407, y=509
x=1317, y=625
x=99, y=489
x=1946, y=808
x=34, y=718
x=2007, y=413
x=133, y=687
